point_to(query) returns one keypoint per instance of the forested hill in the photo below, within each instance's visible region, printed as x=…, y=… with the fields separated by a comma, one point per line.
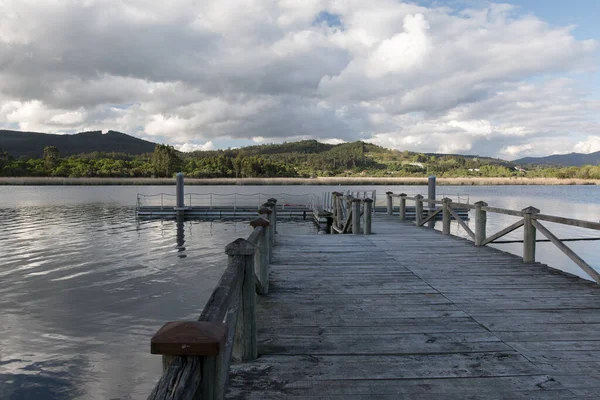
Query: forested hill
x=117, y=155
x=567, y=160
x=31, y=144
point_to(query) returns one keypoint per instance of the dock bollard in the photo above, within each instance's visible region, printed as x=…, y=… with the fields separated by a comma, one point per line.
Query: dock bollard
x=390, y=203
x=368, y=215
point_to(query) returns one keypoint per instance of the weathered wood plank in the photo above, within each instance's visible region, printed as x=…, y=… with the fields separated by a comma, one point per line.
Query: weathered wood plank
x=526, y=387
x=384, y=316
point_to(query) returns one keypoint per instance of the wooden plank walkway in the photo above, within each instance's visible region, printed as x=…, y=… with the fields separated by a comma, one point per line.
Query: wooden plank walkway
x=408, y=313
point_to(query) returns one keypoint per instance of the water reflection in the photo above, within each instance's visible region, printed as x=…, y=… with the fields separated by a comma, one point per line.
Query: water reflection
x=180, y=238
x=84, y=287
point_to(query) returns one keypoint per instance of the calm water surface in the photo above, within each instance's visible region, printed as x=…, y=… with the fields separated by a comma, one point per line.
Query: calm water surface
x=84, y=284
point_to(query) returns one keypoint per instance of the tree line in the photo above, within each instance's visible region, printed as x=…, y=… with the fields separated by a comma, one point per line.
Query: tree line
x=307, y=158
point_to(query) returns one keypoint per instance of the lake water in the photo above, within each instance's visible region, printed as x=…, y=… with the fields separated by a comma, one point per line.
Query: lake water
x=84, y=284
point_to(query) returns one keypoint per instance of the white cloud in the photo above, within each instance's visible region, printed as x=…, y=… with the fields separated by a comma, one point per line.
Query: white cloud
x=187, y=147
x=512, y=151
x=590, y=145
x=485, y=80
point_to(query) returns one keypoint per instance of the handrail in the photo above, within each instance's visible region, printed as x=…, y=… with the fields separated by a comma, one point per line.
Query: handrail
x=530, y=218
x=211, y=200
x=197, y=354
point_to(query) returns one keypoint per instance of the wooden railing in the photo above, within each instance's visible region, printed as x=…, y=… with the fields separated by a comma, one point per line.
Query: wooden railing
x=347, y=213
x=197, y=354
x=530, y=221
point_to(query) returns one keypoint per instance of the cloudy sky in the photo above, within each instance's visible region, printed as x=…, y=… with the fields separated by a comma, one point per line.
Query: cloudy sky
x=462, y=76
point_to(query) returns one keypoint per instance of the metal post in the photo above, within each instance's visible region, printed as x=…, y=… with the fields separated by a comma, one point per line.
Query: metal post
x=367, y=214
x=418, y=209
x=529, y=234
x=356, y=216
x=402, y=211
x=180, y=190
x=390, y=203
x=480, y=223
x=447, y=203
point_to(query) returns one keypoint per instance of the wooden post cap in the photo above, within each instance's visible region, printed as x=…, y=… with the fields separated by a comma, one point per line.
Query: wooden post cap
x=356, y=200
x=446, y=200
x=530, y=210
x=259, y=222
x=189, y=338
x=367, y=200
x=265, y=210
x=388, y=193
x=272, y=200
x=418, y=197
x=481, y=204
x=403, y=195
x=240, y=247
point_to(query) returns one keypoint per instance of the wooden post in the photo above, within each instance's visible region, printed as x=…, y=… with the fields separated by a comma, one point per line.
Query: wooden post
x=356, y=216
x=333, y=203
x=262, y=254
x=271, y=206
x=202, y=343
x=340, y=216
x=274, y=222
x=367, y=213
x=402, y=207
x=418, y=209
x=446, y=216
x=480, y=223
x=267, y=212
x=390, y=202
x=529, y=234
x=241, y=255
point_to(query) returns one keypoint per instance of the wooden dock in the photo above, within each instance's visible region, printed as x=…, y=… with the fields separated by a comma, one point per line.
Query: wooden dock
x=409, y=313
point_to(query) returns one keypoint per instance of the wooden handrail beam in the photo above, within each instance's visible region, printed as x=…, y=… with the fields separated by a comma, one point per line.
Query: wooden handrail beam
x=462, y=223
x=568, y=252
x=503, y=232
x=568, y=221
x=431, y=216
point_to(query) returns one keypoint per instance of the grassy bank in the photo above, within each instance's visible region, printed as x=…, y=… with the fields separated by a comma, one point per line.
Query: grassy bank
x=35, y=181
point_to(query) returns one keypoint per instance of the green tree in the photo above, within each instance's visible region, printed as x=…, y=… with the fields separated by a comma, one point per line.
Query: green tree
x=51, y=156
x=165, y=160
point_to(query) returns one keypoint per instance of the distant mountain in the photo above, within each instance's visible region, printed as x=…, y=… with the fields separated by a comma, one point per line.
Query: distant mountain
x=567, y=160
x=31, y=144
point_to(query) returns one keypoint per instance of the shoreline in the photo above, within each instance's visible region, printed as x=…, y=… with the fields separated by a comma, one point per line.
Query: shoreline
x=408, y=181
